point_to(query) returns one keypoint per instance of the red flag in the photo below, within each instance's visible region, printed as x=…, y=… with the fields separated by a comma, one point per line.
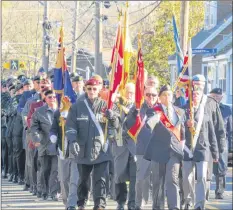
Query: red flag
x=139, y=96
x=117, y=67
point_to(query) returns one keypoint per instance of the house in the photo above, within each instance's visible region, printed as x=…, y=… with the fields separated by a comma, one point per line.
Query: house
x=217, y=33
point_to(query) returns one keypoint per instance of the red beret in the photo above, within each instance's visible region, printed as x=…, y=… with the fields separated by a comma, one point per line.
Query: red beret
x=92, y=81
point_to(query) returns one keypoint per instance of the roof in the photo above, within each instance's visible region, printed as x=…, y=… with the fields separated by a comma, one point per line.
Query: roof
x=201, y=36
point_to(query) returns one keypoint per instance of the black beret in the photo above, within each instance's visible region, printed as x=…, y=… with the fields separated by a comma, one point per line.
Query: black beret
x=21, y=77
x=18, y=87
x=11, y=87
x=77, y=78
x=36, y=78
x=164, y=88
x=216, y=91
x=27, y=82
x=73, y=74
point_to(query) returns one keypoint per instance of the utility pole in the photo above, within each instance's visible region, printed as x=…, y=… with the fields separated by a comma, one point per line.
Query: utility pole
x=98, y=39
x=74, y=32
x=45, y=62
x=184, y=23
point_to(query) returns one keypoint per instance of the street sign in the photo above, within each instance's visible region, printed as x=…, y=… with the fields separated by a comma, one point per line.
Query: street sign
x=6, y=65
x=205, y=51
x=21, y=65
x=14, y=64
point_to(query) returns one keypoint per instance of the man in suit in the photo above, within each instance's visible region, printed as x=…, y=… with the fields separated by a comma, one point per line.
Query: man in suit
x=165, y=148
x=197, y=146
x=144, y=167
x=40, y=126
x=220, y=168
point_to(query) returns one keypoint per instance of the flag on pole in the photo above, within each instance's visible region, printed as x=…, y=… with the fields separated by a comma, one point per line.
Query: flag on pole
x=62, y=86
x=128, y=49
x=117, y=67
x=179, y=54
x=139, y=94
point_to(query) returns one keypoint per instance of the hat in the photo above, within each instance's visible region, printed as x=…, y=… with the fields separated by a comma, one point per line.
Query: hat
x=36, y=78
x=164, y=88
x=77, y=79
x=18, y=87
x=198, y=78
x=98, y=78
x=92, y=81
x=21, y=77
x=73, y=74
x=11, y=87
x=216, y=91
x=27, y=82
x=41, y=70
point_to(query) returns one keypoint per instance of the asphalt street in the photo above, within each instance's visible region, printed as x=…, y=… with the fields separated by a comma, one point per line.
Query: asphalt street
x=14, y=198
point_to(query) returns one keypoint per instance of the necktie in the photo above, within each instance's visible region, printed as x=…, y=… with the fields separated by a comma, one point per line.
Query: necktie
x=169, y=114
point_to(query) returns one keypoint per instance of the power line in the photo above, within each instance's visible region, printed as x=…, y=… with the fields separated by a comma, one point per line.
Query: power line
x=142, y=8
x=82, y=32
x=146, y=15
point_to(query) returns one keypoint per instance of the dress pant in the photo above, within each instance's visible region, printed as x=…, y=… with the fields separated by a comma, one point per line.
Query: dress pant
x=27, y=169
x=121, y=188
x=10, y=155
x=195, y=194
x=49, y=174
x=64, y=166
x=142, y=180
x=20, y=162
x=158, y=185
x=32, y=172
x=99, y=184
x=4, y=153
x=37, y=166
x=73, y=184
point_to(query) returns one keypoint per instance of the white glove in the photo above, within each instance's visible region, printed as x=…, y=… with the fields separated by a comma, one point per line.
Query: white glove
x=182, y=144
x=105, y=147
x=53, y=139
x=64, y=114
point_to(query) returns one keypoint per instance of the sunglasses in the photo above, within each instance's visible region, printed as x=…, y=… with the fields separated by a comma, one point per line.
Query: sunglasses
x=151, y=94
x=51, y=97
x=94, y=89
x=198, y=88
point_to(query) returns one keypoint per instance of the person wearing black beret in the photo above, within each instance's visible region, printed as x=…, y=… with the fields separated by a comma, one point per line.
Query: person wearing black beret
x=220, y=168
x=78, y=85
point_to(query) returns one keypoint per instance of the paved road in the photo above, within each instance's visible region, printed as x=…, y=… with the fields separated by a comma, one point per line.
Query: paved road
x=14, y=198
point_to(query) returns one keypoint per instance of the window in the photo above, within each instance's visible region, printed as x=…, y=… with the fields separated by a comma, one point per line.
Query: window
x=222, y=76
x=230, y=78
x=211, y=76
x=210, y=14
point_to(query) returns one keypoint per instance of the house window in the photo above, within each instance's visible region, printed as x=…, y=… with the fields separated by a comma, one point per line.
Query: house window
x=210, y=14
x=230, y=78
x=222, y=77
x=211, y=76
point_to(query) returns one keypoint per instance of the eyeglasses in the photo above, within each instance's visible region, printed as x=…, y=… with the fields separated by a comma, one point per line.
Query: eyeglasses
x=51, y=97
x=151, y=94
x=198, y=88
x=94, y=89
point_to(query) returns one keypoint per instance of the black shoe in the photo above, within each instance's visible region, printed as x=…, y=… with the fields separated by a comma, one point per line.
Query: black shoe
x=120, y=207
x=34, y=192
x=187, y=207
x=10, y=178
x=81, y=207
x=4, y=176
x=39, y=194
x=71, y=208
x=138, y=208
x=54, y=198
x=219, y=196
x=198, y=208
x=45, y=196
x=15, y=180
x=26, y=188
x=21, y=182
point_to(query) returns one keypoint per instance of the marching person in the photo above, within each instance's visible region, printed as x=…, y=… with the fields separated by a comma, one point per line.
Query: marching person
x=220, y=168
x=40, y=126
x=165, y=148
x=35, y=172
x=85, y=126
x=204, y=141
x=124, y=150
x=78, y=84
x=144, y=167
